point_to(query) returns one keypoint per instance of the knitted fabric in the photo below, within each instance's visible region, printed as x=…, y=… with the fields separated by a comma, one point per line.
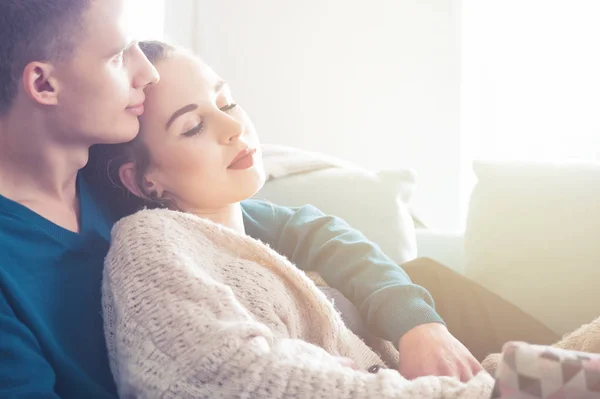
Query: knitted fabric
x=195, y=310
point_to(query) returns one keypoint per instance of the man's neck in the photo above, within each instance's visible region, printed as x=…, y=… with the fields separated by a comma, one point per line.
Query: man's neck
x=229, y=216
x=39, y=173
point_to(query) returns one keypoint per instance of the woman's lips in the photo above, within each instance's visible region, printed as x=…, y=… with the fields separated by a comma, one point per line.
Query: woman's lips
x=243, y=160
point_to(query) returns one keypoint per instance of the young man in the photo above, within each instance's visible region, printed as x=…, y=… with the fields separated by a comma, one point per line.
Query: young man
x=70, y=78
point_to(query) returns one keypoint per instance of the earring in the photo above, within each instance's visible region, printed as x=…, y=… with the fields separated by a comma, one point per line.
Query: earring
x=156, y=197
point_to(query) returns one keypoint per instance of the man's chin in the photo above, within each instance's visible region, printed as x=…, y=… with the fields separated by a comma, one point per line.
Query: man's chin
x=126, y=131
x=119, y=137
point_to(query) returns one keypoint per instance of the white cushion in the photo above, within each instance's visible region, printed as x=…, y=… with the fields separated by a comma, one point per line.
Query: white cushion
x=533, y=237
x=373, y=202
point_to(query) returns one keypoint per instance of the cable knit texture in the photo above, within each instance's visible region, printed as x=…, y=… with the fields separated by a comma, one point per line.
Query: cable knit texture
x=193, y=309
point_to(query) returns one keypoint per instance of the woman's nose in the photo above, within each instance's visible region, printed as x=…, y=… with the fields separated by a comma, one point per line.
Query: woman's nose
x=231, y=128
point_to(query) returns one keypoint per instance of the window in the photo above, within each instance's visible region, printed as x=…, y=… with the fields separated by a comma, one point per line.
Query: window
x=146, y=18
x=531, y=79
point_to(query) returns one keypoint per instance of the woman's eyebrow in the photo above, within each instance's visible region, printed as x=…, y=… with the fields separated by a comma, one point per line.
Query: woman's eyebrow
x=190, y=107
x=181, y=111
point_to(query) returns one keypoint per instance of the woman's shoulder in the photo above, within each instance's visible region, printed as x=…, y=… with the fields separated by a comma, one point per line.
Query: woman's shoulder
x=149, y=217
x=159, y=236
x=152, y=222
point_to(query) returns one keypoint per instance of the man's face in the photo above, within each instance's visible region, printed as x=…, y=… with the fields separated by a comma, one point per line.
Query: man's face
x=101, y=86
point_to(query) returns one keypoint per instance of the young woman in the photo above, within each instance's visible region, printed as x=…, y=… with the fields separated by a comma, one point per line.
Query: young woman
x=193, y=306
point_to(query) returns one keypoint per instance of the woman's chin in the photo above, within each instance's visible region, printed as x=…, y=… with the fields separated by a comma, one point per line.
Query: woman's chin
x=251, y=181
x=253, y=184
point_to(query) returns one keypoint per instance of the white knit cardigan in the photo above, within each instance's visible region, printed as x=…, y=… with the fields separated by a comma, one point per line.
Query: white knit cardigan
x=193, y=309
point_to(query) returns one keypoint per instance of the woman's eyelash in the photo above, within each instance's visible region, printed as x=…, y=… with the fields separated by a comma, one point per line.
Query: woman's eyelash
x=228, y=107
x=196, y=130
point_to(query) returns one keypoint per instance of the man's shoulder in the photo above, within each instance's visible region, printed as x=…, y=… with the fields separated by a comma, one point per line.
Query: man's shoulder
x=263, y=218
x=12, y=232
x=6, y=223
x=263, y=206
x=253, y=203
x=11, y=224
x=17, y=236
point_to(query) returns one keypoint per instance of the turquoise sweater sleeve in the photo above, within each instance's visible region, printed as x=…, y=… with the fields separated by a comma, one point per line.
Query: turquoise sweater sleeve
x=25, y=371
x=389, y=302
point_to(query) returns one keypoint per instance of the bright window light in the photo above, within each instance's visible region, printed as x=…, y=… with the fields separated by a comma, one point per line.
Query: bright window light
x=531, y=79
x=146, y=18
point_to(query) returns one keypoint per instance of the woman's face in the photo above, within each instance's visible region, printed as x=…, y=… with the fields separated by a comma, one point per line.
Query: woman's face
x=204, y=150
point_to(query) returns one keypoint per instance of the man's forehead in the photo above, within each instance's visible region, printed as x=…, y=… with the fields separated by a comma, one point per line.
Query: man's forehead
x=106, y=24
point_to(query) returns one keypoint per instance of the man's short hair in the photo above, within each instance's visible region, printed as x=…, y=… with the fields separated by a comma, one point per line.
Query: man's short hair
x=35, y=30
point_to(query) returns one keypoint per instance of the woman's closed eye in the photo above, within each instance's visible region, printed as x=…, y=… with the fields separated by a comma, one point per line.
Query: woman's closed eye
x=200, y=126
x=195, y=130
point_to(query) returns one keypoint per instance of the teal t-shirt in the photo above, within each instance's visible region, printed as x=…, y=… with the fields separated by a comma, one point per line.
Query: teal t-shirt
x=51, y=333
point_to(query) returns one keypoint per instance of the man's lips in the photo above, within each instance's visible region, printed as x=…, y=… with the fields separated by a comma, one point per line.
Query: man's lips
x=136, y=109
x=248, y=152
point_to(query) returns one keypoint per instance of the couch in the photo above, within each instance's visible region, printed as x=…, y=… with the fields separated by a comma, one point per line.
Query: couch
x=531, y=234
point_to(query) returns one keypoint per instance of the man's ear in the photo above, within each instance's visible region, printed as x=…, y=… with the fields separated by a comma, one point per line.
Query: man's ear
x=40, y=84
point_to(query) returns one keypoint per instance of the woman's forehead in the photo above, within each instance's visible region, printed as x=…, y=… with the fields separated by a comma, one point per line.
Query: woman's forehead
x=185, y=72
x=184, y=80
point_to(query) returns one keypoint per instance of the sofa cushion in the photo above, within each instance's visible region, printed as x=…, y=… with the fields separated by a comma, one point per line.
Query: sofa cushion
x=532, y=237
x=373, y=202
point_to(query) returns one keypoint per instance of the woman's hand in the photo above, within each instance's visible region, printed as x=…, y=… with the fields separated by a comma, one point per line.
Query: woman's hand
x=430, y=349
x=346, y=362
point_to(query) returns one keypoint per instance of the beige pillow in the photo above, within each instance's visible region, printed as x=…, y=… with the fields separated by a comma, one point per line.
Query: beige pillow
x=374, y=203
x=533, y=237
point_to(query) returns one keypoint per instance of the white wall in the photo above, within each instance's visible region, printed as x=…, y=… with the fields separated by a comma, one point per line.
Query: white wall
x=179, y=26
x=150, y=23
x=374, y=82
x=531, y=91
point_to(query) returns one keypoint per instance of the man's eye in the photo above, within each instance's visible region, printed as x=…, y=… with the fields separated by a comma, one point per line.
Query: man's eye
x=119, y=57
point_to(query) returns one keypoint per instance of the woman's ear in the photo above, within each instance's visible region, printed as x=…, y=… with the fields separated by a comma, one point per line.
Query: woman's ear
x=128, y=176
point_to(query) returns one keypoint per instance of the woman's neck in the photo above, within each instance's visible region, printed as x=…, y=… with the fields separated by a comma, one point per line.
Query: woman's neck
x=229, y=216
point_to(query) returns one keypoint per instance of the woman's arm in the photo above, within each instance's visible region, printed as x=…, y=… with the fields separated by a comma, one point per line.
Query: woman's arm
x=347, y=261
